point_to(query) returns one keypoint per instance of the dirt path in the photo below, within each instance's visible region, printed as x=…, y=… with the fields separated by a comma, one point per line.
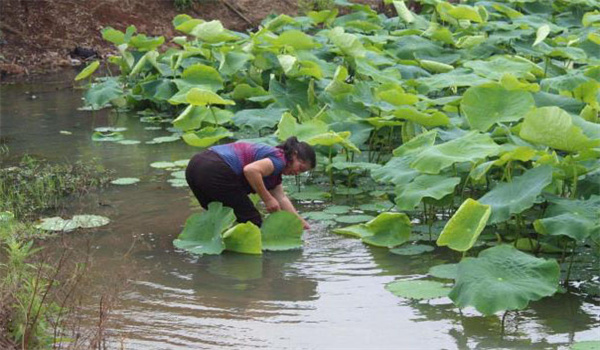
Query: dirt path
x=38, y=36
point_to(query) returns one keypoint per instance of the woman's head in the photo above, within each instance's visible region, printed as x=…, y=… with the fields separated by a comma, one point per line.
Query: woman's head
x=299, y=156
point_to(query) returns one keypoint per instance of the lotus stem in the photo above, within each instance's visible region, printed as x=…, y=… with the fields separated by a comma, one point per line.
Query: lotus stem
x=574, y=185
x=503, y=323
x=566, y=283
x=214, y=115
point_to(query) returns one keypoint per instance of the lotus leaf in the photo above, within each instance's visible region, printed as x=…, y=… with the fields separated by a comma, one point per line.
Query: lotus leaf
x=324, y=16
x=353, y=219
x=191, y=118
x=245, y=91
x=397, y=171
x=541, y=34
x=427, y=120
x=416, y=144
x=503, y=278
x=163, y=165
x=290, y=96
x=358, y=231
x=436, y=67
x=418, y=289
x=553, y=127
x=258, y=119
x=212, y=32
x=348, y=44
x=200, y=76
x=318, y=215
x=294, y=38
x=125, y=181
x=513, y=197
x=100, y=94
x=510, y=82
x=57, y=224
x=107, y=136
x=497, y=66
x=90, y=221
x=337, y=209
x=233, y=61
x=456, y=78
x=281, y=230
x=447, y=271
x=164, y=139
x=199, y=97
x=88, y=70
x=586, y=345
x=430, y=186
x=243, y=238
x=413, y=249
x=570, y=225
x=464, y=227
x=206, y=136
x=470, y=147
x=388, y=230
x=501, y=105
x=202, y=232
x=354, y=166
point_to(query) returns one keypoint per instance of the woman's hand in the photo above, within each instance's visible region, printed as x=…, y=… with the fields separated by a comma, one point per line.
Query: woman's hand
x=272, y=205
x=305, y=224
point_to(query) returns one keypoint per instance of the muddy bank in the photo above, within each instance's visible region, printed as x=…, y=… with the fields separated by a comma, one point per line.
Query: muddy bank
x=41, y=36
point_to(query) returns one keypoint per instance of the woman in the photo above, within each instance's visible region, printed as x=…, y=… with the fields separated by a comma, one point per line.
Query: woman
x=227, y=173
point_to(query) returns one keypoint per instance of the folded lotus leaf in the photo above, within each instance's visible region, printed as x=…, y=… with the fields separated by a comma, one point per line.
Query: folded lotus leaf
x=464, y=227
x=424, y=186
x=243, y=238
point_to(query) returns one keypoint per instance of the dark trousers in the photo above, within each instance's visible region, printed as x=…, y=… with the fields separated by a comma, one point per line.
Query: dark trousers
x=212, y=180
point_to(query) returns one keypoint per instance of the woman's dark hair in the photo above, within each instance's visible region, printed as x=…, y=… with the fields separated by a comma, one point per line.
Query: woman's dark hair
x=302, y=150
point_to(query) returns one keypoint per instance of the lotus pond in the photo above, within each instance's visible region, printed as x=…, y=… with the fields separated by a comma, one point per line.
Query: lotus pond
x=455, y=205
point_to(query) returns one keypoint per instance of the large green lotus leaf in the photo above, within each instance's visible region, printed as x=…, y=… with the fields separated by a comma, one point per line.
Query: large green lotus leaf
x=456, y=78
x=553, y=127
x=258, y=119
x=429, y=120
x=388, y=230
x=471, y=147
x=234, y=61
x=387, y=75
x=191, y=118
x=199, y=76
x=509, y=198
x=503, y=278
x=464, y=227
x=497, y=66
x=243, y=238
x=354, y=166
x=424, y=186
x=159, y=89
x=482, y=116
x=281, y=230
x=588, y=208
x=90, y=221
x=212, y=32
x=102, y=93
x=417, y=143
x=348, y=44
x=206, y=137
x=290, y=96
x=200, y=97
x=418, y=289
x=571, y=225
x=324, y=16
x=246, y=91
x=293, y=38
x=397, y=171
x=288, y=126
x=202, y=232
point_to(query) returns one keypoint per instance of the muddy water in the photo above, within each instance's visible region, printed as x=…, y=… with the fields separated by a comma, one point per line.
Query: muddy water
x=329, y=295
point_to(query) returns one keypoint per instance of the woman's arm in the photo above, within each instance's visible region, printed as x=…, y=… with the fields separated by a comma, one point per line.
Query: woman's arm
x=286, y=204
x=254, y=173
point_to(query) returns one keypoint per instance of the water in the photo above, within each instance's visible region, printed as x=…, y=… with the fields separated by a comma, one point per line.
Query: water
x=329, y=295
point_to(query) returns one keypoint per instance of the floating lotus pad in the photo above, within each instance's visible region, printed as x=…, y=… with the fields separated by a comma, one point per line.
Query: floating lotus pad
x=337, y=209
x=202, y=232
x=107, y=136
x=129, y=142
x=281, y=230
x=413, y=249
x=125, y=181
x=491, y=283
x=78, y=221
x=318, y=215
x=163, y=165
x=418, y=289
x=164, y=139
x=463, y=228
x=386, y=230
x=447, y=271
x=353, y=219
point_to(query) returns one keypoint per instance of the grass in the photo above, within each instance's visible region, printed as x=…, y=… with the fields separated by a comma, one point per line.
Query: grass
x=41, y=290
x=34, y=186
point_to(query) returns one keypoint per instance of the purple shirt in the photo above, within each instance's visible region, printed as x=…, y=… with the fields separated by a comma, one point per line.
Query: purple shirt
x=239, y=154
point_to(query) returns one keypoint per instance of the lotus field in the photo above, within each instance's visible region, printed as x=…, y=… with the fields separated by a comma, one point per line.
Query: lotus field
x=469, y=127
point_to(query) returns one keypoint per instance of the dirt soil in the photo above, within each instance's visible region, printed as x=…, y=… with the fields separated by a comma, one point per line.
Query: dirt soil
x=39, y=36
